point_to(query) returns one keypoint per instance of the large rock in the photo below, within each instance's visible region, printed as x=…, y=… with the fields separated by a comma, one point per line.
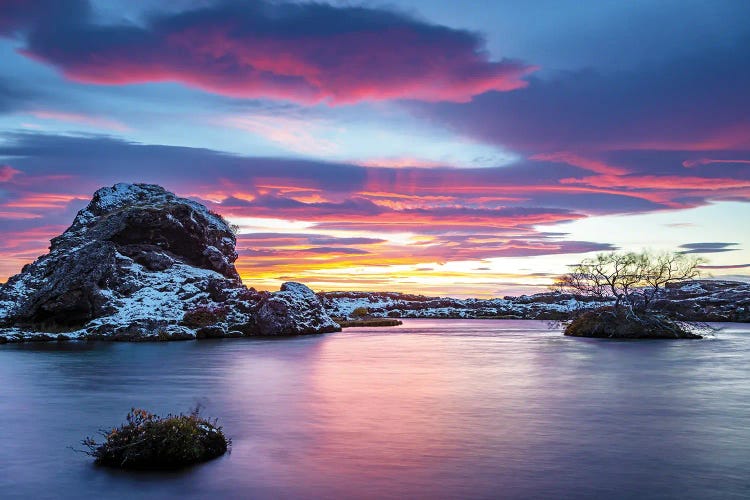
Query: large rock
x=295, y=310
x=140, y=263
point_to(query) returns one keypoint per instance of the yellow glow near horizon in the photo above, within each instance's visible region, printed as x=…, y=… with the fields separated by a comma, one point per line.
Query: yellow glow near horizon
x=395, y=264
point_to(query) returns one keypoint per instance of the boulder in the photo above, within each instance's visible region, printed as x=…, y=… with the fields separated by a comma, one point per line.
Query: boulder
x=295, y=310
x=136, y=263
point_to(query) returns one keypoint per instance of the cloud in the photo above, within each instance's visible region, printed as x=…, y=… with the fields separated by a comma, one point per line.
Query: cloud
x=597, y=139
x=728, y=266
x=335, y=250
x=400, y=162
x=694, y=102
x=711, y=244
x=21, y=245
x=13, y=96
x=521, y=191
x=575, y=160
x=296, y=134
x=301, y=239
x=360, y=210
x=303, y=52
x=299, y=215
x=321, y=213
x=269, y=205
x=709, y=161
x=20, y=15
x=7, y=173
x=708, y=247
x=79, y=118
x=345, y=241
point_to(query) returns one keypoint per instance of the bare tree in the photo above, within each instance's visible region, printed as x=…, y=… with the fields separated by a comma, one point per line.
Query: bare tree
x=667, y=268
x=632, y=279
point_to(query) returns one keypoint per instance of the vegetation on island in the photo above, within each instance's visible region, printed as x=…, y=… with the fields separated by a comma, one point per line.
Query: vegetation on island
x=361, y=317
x=631, y=281
x=363, y=322
x=360, y=312
x=149, y=442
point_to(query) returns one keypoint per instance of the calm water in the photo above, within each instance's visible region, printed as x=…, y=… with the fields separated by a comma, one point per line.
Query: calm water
x=431, y=409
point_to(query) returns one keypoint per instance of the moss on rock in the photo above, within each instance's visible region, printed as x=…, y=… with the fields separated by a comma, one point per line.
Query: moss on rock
x=150, y=442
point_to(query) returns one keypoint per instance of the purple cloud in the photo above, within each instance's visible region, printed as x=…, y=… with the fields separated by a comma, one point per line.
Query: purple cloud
x=303, y=52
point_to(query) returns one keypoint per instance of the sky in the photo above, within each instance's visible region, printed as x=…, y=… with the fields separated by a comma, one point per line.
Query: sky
x=430, y=146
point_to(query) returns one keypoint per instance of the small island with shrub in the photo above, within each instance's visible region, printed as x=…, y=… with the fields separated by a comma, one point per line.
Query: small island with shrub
x=149, y=442
x=630, y=281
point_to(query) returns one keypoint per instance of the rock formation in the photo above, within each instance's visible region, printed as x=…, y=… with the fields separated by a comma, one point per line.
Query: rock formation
x=140, y=263
x=699, y=300
x=295, y=310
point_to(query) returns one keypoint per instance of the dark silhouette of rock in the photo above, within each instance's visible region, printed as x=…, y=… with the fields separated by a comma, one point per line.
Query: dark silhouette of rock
x=137, y=264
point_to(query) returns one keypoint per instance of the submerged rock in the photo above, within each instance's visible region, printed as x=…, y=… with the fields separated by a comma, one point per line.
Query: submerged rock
x=140, y=263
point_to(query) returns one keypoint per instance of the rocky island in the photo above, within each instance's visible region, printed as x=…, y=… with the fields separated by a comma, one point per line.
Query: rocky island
x=140, y=263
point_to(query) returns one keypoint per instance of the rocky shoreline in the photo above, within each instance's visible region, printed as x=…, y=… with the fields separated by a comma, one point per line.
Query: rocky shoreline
x=695, y=301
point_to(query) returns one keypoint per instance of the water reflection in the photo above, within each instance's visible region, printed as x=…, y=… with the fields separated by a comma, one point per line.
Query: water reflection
x=432, y=409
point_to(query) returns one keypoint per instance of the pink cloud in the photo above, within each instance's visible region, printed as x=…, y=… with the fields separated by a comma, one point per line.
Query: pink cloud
x=7, y=173
x=302, y=136
x=305, y=53
x=19, y=215
x=399, y=162
x=575, y=160
x=672, y=182
x=43, y=200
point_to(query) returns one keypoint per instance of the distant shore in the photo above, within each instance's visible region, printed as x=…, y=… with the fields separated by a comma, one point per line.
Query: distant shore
x=351, y=323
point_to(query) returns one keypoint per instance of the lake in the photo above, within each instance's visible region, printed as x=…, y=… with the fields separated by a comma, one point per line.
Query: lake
x=430, y=409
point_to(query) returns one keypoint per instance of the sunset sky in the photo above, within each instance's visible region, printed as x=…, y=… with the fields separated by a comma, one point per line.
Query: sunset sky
x=432, y=146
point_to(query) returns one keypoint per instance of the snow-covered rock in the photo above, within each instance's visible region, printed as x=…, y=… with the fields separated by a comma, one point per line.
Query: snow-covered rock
x=707, y=300
x=139, y=263
x=550, y=306
x=701, y=300
x=295, y=310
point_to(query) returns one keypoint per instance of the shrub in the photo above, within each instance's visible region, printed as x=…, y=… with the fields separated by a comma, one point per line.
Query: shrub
x=149, y=442
x=205, y=315
x=360, y=312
